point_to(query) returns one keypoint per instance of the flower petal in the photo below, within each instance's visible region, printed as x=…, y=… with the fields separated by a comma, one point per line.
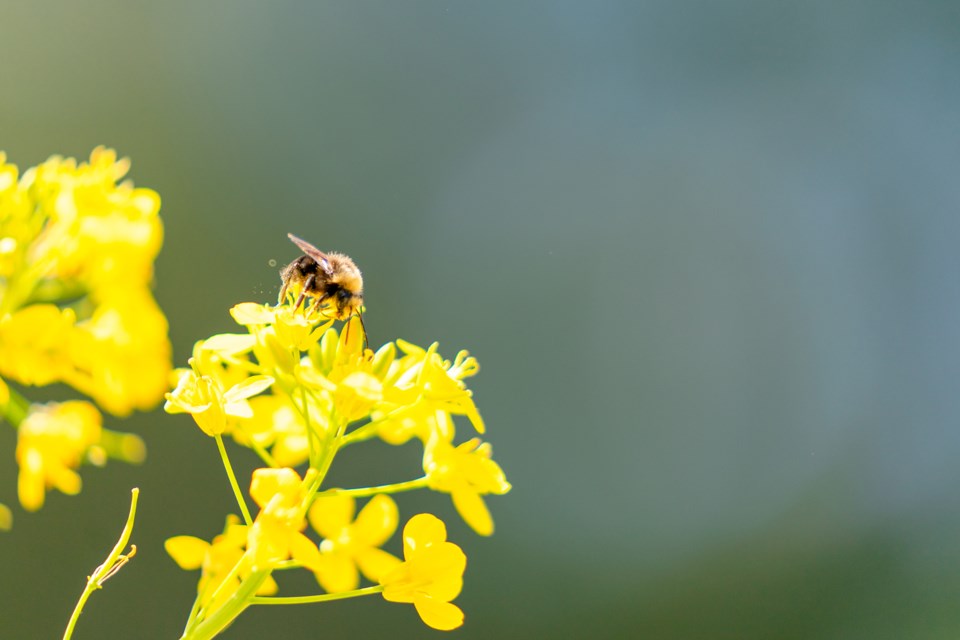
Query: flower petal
x=247, y=313
x=249, y=387
x=421, y=531
x=442, y=567
x=230, y=344
x=268, y=588
x=377, y=521
x=329, y=515
x=266, y=483
x=304, y=551
x=473, y=510
x=376, y=563
x=337, y=573
x=187, y=551
x=438, y=614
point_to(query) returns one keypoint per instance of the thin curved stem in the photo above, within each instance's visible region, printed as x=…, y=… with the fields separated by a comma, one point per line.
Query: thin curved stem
x=396, y=487
x=325, y=597
x=110, y=566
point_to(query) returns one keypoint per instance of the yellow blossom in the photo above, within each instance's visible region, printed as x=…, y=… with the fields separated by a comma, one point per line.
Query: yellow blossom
x=52, y=442
x=32, y=345
x=217, y=560
x=275, y=424
x=431, y=574
x=351, y=544
x=204, y=398
x=356, y=395
x=276, y=534
x=466, y=472
x=419, y=388
x=76, y=264
x=121, y=355
x=99, y=232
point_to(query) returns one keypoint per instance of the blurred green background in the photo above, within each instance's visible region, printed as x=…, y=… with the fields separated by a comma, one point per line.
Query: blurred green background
x=706, y=253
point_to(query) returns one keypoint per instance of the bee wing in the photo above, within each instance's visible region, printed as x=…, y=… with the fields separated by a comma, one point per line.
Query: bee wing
x=311, y=251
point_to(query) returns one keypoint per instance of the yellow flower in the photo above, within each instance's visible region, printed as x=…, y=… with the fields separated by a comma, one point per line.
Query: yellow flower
x=277, y=425
x=217, y=560
x=33, y=344
x=356, y=394
x=52, y=442
x=99, y=232
x=275, y=535
x=121, y=355
x=350, y=543
x=72, y=237
x=431, y=574
x=421, y=391
x=203, y=397
x=466, y=472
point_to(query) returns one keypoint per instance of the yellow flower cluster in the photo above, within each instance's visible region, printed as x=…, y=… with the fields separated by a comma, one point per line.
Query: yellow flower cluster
x=296, y=391
x=76, y=262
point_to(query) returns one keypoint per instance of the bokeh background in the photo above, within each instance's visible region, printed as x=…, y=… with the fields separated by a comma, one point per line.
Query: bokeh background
x=706, y=253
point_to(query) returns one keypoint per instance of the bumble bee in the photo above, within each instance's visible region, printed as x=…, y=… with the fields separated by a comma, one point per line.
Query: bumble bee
x=331, y=279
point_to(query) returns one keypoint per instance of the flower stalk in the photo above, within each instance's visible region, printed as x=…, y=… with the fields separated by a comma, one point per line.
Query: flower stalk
x=114, y=562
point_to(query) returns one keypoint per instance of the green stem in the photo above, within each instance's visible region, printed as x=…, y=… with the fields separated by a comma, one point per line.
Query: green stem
x=232, y=608
x=330, y=447
x=16, y=409
x=258, y=449
x=326, y=597
x=396, y=487
x=305, y=412
x=110, y=566
x=371, y=429
x=233, y=480
x=127, y=447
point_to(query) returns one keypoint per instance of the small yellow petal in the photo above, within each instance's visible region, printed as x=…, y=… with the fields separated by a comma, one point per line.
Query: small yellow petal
x=249, y=387
x=337, y=574
x=268, y=588
x=377, y=521
x=375, y=563
x=187, y=551
x=421, y=531
x=328, y=515
x=229, y=344
x=266, y=483
x=304, y=551
x=444, y=565
x=247, y=313
x=473, y=510
x=436, y=613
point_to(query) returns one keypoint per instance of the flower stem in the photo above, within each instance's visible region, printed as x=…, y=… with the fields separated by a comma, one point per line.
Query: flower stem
x=325, y=597
x=233, y=607
x=16, y=408
x=110, y=566
x=233, y=480
x=371, y=428
x=396, y=487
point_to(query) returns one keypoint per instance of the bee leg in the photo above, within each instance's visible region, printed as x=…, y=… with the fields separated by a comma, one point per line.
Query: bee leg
x=317, y=302
x=364, y=328
x=283, y=293
x=303, y=292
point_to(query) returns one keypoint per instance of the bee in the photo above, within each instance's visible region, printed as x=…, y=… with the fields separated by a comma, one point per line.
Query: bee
x=331, y=279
